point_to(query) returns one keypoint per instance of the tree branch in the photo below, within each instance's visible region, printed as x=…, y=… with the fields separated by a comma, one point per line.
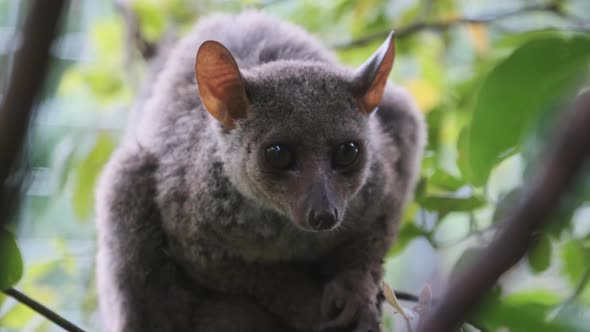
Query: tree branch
x=446, y=24
x=567, y=156
x=31, y=62
x=26, y=82
x=43, y=310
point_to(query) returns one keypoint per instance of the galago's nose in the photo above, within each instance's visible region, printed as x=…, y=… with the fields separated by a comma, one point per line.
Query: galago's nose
x=323, y=220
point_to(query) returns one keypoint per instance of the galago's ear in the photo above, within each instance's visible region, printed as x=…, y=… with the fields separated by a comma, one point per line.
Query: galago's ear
x=220, y=82
x=370, y=79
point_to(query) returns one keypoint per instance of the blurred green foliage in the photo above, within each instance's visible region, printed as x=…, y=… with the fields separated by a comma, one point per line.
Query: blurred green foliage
x=11, y=260
x=488, y=91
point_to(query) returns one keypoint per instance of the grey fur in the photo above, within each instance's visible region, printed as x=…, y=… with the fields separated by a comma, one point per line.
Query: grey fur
x=194, y=235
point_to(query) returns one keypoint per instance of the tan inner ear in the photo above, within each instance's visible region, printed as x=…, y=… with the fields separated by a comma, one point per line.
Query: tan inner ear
x=373, y=97
x=220, y=82
x=378, y=68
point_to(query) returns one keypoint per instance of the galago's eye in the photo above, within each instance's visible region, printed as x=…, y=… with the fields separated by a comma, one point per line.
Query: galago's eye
x=279, y=156
x=345, y=155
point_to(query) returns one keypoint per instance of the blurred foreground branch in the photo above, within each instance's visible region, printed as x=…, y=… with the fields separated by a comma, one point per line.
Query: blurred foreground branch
x=446, y=24
x=31, y=62
x=567, y=155
x=26, y=82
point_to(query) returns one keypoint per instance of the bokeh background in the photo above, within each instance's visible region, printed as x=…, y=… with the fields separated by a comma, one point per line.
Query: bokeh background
x=489, y=76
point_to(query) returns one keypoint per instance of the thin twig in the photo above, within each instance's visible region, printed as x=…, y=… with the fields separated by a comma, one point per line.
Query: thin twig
x=567, y=157
x=578, y=20
x=581, y=286
x=405, y=296
x=427, y=6
x=43, y=310
x=570, y=301
x=135, y=37
x=476, y=232
x=445, y=24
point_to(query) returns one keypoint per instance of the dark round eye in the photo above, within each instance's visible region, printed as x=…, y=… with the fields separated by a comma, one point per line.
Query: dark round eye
x=279, y=156
x=345, y=154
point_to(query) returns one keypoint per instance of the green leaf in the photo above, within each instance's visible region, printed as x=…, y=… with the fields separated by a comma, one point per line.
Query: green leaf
x=536, y=75
x=559, y=222
x=444, y=180
x=434, y=125
x=393, y=301
x=520, y=313
x=407, y=232
x=445, y=203
x=542, y=296
x=539, y=257
x=463, y=153
x=11, y=261
x=575, y=261
x=108, y=38
x=152, y=22
x=104, y=82
x=87, y=172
